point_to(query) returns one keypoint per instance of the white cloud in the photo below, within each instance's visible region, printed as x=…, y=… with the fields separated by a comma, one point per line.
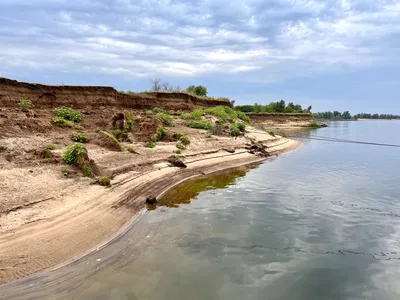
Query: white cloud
x=142, y=38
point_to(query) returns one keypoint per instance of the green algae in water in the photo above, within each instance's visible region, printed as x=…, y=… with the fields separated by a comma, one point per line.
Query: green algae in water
x=185, y=192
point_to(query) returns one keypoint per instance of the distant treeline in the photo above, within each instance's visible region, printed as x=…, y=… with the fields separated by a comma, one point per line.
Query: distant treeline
x=346, y=115
x=274, y=107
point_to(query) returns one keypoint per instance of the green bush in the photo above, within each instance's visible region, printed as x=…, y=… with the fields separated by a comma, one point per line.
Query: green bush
x=200, y=124
x=271, y=133
x=75, y=154
x=131, y=149
x=177, y=135
x=68, y=113
x=160, y=134
x=152, y=144
x=180, y=146
x=129, y=122
x=3, y=148
x=208, y=134
x=165, y=119
x=314, y=124
x=182, y=138
x=104, y=181
x=62, y=122
x=234, y=130
x=157, y=110
x=197, y=114
x=227, y=114
x=241, y=126
x=79, y=137
x=242, y=116
x=50, y=147
x=178, y=151
x=220, y=112
x=25, y=104
x=197, y=90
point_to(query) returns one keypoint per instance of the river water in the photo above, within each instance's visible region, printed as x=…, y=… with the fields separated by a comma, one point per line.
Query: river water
x=322, y=222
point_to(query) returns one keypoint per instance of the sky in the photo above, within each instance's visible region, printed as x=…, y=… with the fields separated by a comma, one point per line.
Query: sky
x=333, y=55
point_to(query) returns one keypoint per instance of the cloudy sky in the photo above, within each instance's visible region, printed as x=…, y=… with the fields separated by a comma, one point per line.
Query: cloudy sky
x=342, y=54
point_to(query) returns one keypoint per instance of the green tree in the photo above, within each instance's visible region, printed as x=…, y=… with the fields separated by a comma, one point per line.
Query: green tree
x=346, y=115
x=257, y=108
x=280, y=106
x=197, y=90
x=289, y=109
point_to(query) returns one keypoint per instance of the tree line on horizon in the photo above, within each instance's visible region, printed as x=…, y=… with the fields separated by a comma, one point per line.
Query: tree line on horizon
x=346, y=115
x=274, y=107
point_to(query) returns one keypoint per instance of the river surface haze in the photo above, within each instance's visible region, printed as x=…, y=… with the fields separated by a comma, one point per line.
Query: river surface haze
x=322, y=222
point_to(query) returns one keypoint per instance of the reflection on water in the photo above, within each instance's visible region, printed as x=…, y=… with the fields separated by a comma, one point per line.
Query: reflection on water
x=322, y=222
x=186, y=192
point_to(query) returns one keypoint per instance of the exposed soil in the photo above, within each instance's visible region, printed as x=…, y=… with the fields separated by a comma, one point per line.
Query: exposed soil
x=48, y=96
x=278, y=121
x=47, y=218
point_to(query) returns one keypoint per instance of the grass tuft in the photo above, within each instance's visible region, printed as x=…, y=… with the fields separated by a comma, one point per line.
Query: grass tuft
x=131, y=149
x=104, y=181
x=114, y=139
x=50, y=147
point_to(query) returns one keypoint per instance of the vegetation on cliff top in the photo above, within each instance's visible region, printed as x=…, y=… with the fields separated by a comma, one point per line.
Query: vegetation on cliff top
x=164, y=87
x=274, y=107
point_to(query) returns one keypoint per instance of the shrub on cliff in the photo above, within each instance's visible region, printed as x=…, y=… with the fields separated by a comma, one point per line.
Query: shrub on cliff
x=157, y=110
x=75, y=154
x=241, y=126
x=197, y=114
x=180, y=146
x=68, y=113
x=129, y=122
x=242, y=116
x=197, y=90
x=206, y=125
x=104, y=181
x=160, y=134
x=234, y=130
x=79, y=137
x=315, y=124
x=25, y=105
x=181, y=138
x=165, y=119
x=62, y=122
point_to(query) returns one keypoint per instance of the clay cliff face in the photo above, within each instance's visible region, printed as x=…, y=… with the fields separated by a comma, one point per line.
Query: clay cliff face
x=46, y=96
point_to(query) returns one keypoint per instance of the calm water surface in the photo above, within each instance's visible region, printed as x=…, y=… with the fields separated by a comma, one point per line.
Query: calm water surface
x=322, y=222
